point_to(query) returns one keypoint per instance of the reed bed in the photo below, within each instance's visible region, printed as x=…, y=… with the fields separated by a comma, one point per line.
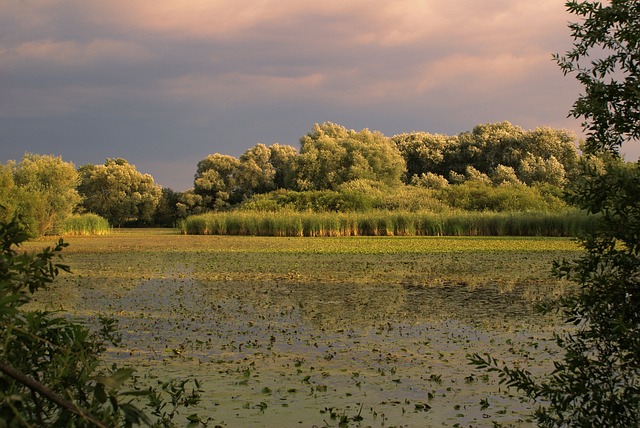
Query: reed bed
x=388, y=223
x=85, y=224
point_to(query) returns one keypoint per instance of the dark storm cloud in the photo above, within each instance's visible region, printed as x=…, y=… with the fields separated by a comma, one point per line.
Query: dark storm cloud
x=165, y=83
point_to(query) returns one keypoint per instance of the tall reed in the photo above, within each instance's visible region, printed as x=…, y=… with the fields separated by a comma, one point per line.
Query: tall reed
x=85, y=224
x=388, y=223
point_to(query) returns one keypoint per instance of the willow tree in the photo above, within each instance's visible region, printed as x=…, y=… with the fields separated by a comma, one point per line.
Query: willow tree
x=42, y=192
x=119, y=192
x=331, y=154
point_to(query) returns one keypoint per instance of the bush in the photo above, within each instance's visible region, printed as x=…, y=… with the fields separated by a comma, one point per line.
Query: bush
x=429, y=180
x=479, y=196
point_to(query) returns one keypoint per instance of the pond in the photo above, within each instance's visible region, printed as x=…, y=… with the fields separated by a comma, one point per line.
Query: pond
x=322, y=338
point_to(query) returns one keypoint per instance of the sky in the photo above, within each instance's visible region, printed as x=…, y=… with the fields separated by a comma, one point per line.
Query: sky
x=164, y=83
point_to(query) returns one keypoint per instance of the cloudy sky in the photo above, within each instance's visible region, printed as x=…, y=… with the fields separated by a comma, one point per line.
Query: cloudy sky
x=163, y=83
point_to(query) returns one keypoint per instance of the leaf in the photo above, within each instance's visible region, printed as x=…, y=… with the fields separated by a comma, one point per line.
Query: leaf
x=100, y=394
x=193, y=418
x=133, y=415
x=116, y=380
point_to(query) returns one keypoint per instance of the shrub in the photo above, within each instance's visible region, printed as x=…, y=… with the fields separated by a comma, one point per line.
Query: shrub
x=429, y=180
x=479, y=196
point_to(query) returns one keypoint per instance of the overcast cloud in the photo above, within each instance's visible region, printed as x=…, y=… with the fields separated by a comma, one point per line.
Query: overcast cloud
x=165, y=83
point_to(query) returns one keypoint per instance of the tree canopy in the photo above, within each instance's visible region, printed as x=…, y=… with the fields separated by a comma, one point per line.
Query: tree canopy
x=542, y=155
x=44, y=190
x=223, y=180
x=40, y=190
x=331, y=155
x=118, y=192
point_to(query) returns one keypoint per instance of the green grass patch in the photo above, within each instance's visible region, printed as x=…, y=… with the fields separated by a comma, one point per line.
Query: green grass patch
x=85, y=224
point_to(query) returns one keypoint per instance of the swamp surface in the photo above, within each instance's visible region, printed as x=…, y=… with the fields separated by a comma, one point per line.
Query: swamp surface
x=283, y=332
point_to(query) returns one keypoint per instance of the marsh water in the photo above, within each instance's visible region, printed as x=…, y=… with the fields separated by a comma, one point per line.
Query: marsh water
x=304, y=338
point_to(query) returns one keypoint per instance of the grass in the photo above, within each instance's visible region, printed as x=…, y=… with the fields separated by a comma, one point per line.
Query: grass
x=387, y=223
x=313, y=331
x=85, y=224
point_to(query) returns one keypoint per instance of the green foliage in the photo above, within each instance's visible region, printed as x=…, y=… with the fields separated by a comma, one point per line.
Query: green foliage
x=189, y=203
x=167, y=213
x=282, y=159
x=426, y=153
x=8, y=202
x=118, y=192
x=215, y=180
x=602, y=362
x=50, y=365
x=85, y=224
x=386, y=223
x=504, y=175
x=364, y=195
x=534, y=169
x=429, y=180
x=255, y=173
x=313, y=200
x=40, y=190
x=540, y=155
x=476, y=195
x=597, y=383
x=489, y=144
x=223, y=180
x=331, y=155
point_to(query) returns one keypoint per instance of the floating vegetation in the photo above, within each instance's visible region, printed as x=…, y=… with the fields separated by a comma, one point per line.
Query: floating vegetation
x=350, y=331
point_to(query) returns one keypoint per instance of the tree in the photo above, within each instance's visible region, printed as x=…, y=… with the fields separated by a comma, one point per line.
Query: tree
x=472, y=174
x=493, y=144
x=610, y=105
x=425, y=153
x=256, y=173
x=282, y=158
x=534, y=169
x=167, y=212
x=504, y=175
x=489, y=143
x=429, y=180
x=331, y=155
x=223, y=180
x=45, y=192
x=7, y=193
x=50, y=369
x=598, y=381
x=547, y=142
x=216, y=180
x=486, y=148
x=118, y=192
x=189, y=203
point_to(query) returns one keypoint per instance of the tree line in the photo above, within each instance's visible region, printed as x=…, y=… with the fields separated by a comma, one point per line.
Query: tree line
x=331, y=155
x=42, y=190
